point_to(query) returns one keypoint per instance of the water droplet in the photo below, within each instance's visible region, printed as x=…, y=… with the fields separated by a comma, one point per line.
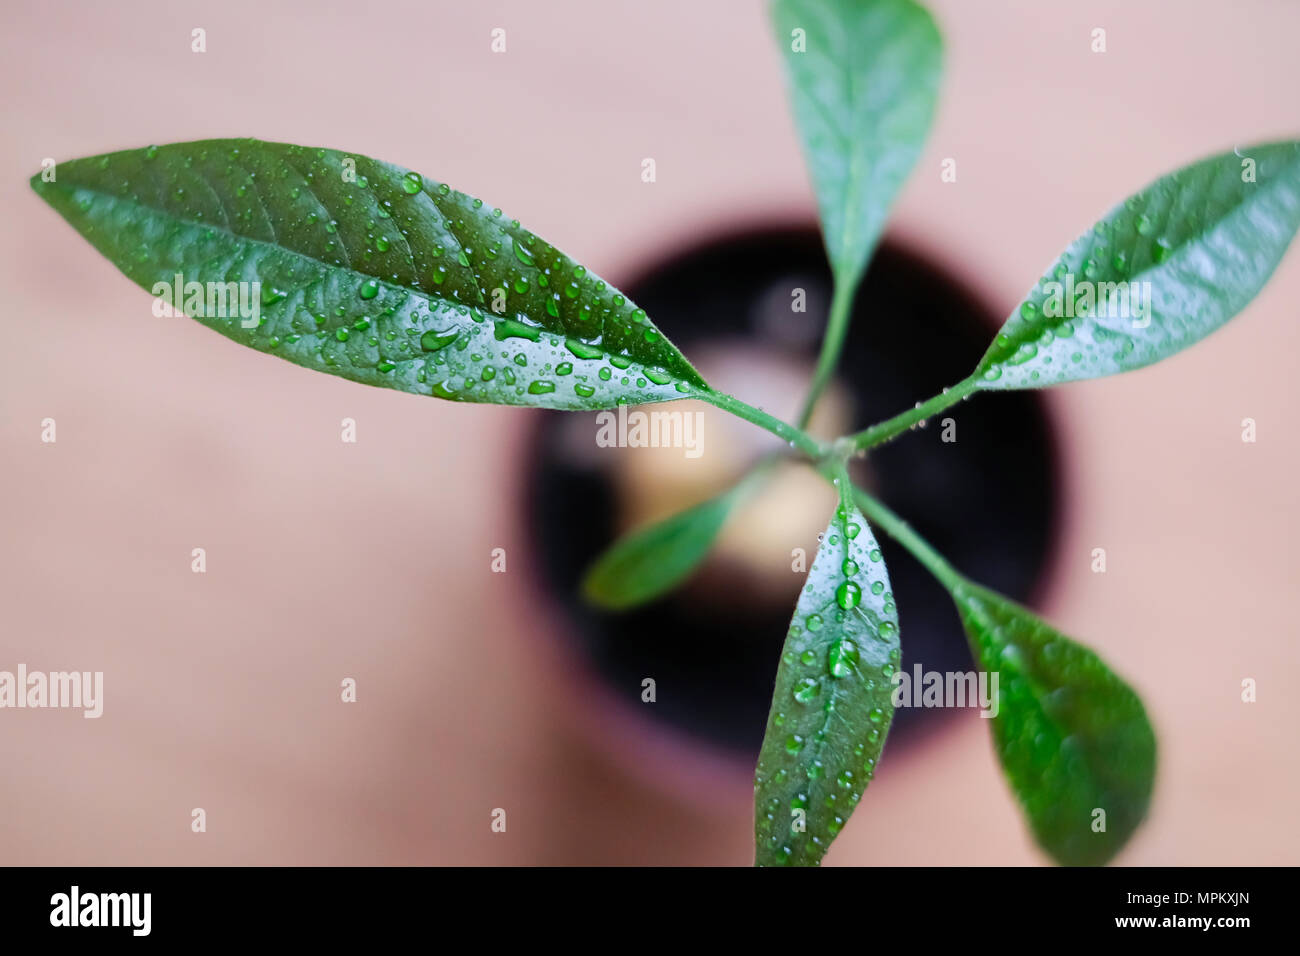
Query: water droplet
x=842, y=658
x=523, y=255
x=807, y=690
x=271, y=295
x=369, y=289
x=848, y=595
x=411, y=183
x=793, y=744
x=382, y=244
x=433, y=341
x=586, y=391
x=813, y=622
x=541, y=387
x=511, y=329
x=582, y=350
x=849, y=567
x=1023, y=354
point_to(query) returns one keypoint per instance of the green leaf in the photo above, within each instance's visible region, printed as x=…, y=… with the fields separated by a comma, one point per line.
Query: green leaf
x=1161, y=271
x=369, y=271
x=831, y=708
x=863, y=92
x=654, y=559
x=1073, y=738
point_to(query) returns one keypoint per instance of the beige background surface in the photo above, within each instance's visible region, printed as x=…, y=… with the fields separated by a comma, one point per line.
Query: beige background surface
x=328, y=560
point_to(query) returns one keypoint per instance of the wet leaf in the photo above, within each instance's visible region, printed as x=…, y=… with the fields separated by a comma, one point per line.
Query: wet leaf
x=369, y=271
x=1073, y=738
x=831, y=709
x=863, y=77
x=1158, y=273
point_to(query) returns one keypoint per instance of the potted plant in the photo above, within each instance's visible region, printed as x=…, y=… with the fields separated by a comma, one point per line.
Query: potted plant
x=378, y=274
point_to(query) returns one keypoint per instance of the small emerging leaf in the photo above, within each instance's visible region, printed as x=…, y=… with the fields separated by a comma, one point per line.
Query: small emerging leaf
x=831, y=709
x=1072, y=737
x=368, y=271
x=654, y=559
x=1160, y=272
x=863, y=77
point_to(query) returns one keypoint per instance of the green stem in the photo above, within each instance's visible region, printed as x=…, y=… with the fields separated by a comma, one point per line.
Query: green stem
x=893, y=427
x=880, y=515
x=797, y=437
x=837, y=326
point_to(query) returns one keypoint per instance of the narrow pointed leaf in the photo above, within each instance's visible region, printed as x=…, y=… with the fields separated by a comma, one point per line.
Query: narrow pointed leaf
x=863, y=77
x=368, y=271
x=653, y=560
x=1073, y=738
x=1160, y=272
x=831, y=708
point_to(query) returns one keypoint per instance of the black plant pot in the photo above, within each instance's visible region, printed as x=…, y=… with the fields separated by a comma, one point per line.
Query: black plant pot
x=988, y=501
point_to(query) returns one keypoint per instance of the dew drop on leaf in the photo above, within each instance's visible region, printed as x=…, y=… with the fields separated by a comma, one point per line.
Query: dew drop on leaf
x=842, y=658
x=848, y=595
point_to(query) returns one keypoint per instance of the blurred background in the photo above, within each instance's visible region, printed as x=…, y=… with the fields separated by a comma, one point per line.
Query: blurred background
x=373, y=561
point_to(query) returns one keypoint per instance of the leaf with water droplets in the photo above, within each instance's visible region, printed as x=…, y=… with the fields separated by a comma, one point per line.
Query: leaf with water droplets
x=375, y=273
x=831, y=709
x=863, y=80
x=654, y=559
x=1158, y=273
x=1073, y=738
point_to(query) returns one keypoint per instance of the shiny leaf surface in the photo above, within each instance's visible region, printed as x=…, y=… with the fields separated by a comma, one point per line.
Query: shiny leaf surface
x=1073, y=738
x=831, y=709
x=863, y=77
x=1158, y=273
x=369, y=271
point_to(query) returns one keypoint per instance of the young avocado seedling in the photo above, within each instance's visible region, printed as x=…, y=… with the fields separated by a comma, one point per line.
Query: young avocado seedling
x=378, y=274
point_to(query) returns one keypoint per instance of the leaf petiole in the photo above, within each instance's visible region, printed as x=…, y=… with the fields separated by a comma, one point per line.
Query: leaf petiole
x=837, y=326
x=891, y=428
x=884, y=518
x=795, y=437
